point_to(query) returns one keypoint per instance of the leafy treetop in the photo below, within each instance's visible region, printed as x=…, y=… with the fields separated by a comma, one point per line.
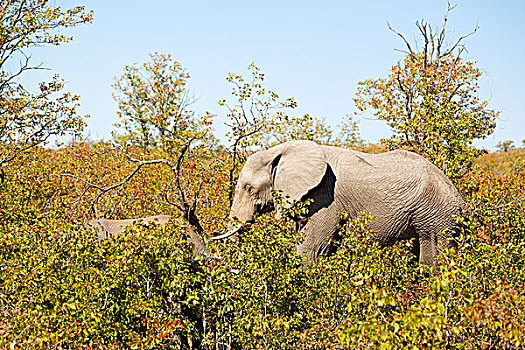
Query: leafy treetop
x=430, y=101
x=27, y=118
x=154, y=105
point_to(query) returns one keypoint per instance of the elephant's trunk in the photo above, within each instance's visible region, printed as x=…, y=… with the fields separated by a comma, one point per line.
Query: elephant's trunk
x=243, y=208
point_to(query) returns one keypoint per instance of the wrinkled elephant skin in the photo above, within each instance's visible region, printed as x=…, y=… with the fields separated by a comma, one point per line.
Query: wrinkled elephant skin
x=408, y=195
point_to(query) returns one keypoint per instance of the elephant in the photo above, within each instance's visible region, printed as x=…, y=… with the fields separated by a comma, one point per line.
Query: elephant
x=408, y=196
x=108, y=228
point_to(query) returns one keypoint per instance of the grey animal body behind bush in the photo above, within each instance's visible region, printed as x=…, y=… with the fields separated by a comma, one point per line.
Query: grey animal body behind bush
x=408, y=195
x=110, y=227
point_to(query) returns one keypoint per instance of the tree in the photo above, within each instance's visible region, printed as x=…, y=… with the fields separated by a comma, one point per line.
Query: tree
x=258, y=118
x=505, y=146
x=28, y=119
x=349, y=136
x=430, y=101
x=153, y=103
x=158, y=129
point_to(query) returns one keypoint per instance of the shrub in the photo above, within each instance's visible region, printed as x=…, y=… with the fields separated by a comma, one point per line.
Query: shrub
x=61, y=288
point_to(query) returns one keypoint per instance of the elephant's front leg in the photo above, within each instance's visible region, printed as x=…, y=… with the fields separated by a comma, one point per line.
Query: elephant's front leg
x=319, y=233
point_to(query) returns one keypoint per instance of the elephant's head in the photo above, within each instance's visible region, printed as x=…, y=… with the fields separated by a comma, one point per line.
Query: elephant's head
x=294, y=168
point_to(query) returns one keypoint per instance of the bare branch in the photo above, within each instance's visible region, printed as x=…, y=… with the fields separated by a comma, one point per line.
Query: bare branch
x=424, y=29
x=441, y=38
x=402, y=37
x=104, y=190
x=458, y=42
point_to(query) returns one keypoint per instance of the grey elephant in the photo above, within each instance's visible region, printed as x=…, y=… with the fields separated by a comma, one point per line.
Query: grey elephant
x=408, y=196
x=109, y=227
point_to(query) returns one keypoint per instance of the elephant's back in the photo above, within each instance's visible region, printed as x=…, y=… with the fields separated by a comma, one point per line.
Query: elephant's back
x=396, y=168
x=436, y=201
x=413, y=167
x=432, y=176
x=396, y=173
x=408, y=165
x=401, y=158
x=398, y=182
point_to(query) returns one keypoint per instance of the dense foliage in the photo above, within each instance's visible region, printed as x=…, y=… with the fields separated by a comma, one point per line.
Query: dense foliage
x=28, y=117
x=62, y=288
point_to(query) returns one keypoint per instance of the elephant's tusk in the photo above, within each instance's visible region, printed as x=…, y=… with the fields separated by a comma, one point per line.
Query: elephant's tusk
x=228, y=234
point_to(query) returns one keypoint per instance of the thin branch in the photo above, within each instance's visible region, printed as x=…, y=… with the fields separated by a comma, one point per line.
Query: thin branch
x=402, y=37
x=103, y=190
x=448, y=52
x=441, y=38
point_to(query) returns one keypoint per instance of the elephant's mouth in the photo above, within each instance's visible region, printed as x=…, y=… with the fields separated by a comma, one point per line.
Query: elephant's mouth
x=264, y=208
x=259, y=207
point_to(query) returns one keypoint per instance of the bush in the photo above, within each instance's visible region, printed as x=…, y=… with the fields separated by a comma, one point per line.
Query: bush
x=61, y=288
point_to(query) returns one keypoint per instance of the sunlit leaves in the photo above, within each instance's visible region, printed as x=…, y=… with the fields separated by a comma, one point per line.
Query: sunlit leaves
x=259, y=118
x=30, y=118
x=154, y=105
x=144, y=289
x=433, y=109
x=33, y=22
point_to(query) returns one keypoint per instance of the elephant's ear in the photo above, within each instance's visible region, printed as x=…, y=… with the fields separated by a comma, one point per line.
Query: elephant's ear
x=300, y=167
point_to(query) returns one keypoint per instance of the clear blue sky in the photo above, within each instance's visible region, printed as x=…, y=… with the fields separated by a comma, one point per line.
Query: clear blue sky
x=315, y=51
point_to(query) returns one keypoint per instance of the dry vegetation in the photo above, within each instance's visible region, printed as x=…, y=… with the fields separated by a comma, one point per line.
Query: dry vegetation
x=62, y=288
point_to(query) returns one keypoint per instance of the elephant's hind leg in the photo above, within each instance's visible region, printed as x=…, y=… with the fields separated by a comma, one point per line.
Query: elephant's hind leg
x=435, y=237
x=427, y=248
